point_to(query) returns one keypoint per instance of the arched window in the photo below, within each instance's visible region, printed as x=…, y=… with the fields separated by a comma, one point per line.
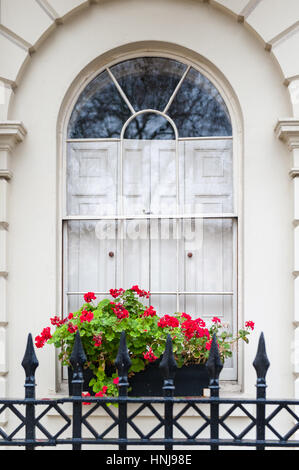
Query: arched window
x=150, y=191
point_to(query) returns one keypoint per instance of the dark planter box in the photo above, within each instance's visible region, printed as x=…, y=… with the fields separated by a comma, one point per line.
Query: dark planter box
x=190, y=381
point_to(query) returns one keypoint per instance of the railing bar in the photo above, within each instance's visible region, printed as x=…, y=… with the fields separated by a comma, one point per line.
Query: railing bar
x=112, y=426
x=183, y=431
x=90, y=428
x=158, y=442
x=181, y=413
x=201, y=413
x=150, y=407
x=136, y=429
x=274, y=413
x=10, y=436
x=228, y=430
x=153, y=431
x=274, y=431
x=136, y=413
x=246, y=431
x=291, y=432
x=199, y=431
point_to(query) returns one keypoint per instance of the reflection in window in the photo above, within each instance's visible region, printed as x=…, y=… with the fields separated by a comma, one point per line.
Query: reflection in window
x=148, y=82
x=149, y=126
x=198, y=110
x=100, y=111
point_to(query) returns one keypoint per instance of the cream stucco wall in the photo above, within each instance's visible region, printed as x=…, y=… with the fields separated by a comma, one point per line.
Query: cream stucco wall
x=254, y=83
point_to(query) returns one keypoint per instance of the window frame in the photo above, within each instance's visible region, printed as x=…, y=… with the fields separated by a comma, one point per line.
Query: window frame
x=236, y=138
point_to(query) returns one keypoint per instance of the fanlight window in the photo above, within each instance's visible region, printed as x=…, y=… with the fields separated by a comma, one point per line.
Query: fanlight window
x=150, y=191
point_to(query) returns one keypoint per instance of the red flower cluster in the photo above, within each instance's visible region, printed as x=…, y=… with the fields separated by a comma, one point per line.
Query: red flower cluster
x=150, y=312
x=97, y=340
x=116, y=292
x=185, y=315
x=43, y=338
x=55, y=321
x=140, y=292
x=195, y=328
x=216, y=320
x=119, y=310
x=149, y=355
x=102, y=392
x=72, y=328
x=116, y=381
x=89, y=297
x=87, y=394
x=249, y=324
x=168, y=321
x=86, y=316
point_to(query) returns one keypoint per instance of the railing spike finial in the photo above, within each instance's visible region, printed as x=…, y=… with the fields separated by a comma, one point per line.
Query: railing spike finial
x=168, y=365
x=77, y=360
x=261, y=362
x=78, y=357
x=123, y=362
x=214, y=364
x=30, y=364
x=168, y=368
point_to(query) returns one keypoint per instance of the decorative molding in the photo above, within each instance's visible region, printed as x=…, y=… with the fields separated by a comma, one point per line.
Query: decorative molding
x=287, y=130
x=247, y=10
x=282, y=36
x=6, y=174
x=11, y=133
x=294, y=172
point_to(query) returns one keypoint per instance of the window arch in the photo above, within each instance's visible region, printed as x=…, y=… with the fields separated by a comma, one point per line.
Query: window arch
x=162, y=84
x=150, y=190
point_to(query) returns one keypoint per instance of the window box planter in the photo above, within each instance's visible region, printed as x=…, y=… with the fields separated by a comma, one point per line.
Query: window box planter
x=190, y=381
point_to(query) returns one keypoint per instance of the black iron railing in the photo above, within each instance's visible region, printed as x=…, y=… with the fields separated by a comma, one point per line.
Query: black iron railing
x=212, y=414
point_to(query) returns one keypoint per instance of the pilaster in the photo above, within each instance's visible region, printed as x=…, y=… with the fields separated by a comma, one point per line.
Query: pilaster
x=11, y=133
x=288, y=131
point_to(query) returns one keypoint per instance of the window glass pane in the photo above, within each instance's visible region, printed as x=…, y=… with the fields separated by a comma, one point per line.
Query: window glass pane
x=92, y=178
x=148, y=82
x=163, y=258
x=149, y=177
x=136, y=252
x=206, y=255
x=164, y=304
x=150, y=126
x=90, y=264
x=198, y=109
x=206, y=176
x=100, y=111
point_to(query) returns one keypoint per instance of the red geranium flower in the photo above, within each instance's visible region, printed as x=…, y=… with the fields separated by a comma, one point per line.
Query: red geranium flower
x=216, y=320
x=140, y=292
x=89, y=297
x=167, y=320
x=72, y=328
x=87, y=394
x=97, y=340
x=119, y=310
x=86, y=316
x=150, y=312
x=250, y=324
x=149, y=355
x=116, y=292
x=43, y=338
x=116, y=381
